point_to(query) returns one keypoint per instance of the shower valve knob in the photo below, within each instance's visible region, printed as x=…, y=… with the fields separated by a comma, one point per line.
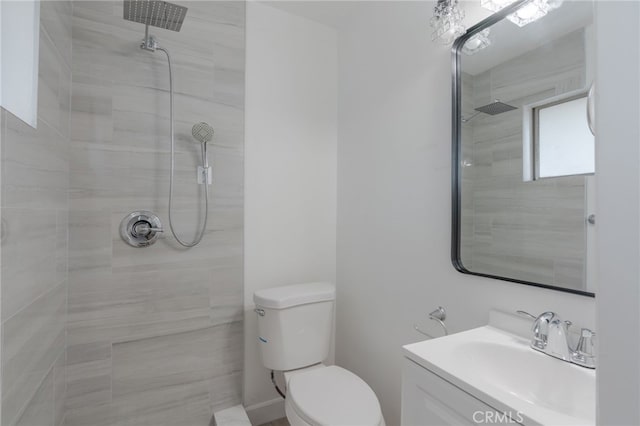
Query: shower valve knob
x=140, y=228
x=145, y=228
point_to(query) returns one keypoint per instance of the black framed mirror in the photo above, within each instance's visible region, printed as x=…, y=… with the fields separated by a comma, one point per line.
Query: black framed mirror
x=523, y=149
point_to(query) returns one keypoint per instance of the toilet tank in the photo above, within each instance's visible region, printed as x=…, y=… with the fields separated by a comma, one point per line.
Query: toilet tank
x=295, y=324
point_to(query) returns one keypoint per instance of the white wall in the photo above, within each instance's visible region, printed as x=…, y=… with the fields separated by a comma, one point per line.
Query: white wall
x=290, y=166
x=394, y=201
x=618, y=212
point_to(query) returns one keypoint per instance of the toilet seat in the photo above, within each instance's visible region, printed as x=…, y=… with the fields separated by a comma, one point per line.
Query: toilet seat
x=333, y=396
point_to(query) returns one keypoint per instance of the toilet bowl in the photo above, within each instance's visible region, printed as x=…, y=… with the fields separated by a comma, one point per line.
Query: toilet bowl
x=295, y=325
x=330, y=396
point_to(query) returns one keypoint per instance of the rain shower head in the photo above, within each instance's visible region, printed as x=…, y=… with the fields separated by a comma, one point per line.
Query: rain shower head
x=202, y=132
x=156, y=13
x=494, y=108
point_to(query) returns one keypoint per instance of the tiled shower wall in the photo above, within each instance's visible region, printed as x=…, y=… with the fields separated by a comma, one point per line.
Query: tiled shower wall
x=35, y=181
x=533, y=231
x=154, y=334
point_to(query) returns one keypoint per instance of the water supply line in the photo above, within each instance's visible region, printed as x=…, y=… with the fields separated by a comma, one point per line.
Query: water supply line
x=275, y=385
x=172, y=167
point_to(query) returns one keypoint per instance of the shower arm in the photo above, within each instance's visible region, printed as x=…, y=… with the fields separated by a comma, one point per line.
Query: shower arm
x=466, y=120
x=149, y=43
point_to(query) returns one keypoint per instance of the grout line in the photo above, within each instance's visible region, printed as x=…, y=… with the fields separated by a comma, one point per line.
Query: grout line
x=21, y=412
x=55, y=287
x=43, y=28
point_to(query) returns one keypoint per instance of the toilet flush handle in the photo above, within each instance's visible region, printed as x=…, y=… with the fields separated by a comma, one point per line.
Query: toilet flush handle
x=259, y=311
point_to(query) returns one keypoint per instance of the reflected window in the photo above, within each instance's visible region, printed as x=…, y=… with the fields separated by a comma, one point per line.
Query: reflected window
x=564, y=144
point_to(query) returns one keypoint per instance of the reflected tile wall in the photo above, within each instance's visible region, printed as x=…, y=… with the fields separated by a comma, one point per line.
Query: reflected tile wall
x=154, y=335
x=34, y=211
x=530, y=231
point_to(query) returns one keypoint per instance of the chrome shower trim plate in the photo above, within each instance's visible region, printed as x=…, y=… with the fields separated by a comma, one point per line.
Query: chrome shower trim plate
x=140, y=228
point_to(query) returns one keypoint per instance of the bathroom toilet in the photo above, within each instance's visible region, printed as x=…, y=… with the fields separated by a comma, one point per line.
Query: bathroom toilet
x=295, y=327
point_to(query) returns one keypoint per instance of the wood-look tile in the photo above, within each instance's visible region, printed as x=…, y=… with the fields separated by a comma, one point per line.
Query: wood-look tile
x=153, y=334
x=33, y=339
x=124, y=300
x=55, y=17
x=29, y=257
x=62, y=246
x=570, y=273
x=91, y=414
x=53, y=86
x=59, y=389
x=91, y=109
x=79, y=353
x=148, y=364
x=35, y=181
x=225, y=386
x=100, y=189
x=95, y=331
x=184, y=404
x=218, y=249
x=532, y=72
x=35, y=168
x=89, y=242
x=41, y=409
x=167, y=378
x=88, y=383
x=226, y=294
x=226, y=390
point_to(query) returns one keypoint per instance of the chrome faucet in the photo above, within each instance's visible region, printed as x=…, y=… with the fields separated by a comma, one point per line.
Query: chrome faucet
x=551, y=336
x=584, y=354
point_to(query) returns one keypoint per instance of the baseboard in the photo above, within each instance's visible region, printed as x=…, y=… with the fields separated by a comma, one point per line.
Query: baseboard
x=265, y=412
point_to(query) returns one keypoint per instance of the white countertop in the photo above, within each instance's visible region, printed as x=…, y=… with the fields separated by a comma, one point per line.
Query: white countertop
x=500, y=369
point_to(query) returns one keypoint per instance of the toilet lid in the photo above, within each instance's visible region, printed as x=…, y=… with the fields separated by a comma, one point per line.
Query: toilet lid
x=333, y=396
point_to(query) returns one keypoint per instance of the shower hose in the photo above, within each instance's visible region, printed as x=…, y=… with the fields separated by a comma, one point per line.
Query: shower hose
x=172, y=168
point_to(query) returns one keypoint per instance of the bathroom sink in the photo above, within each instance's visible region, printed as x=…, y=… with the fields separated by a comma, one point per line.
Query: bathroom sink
x=500, y=368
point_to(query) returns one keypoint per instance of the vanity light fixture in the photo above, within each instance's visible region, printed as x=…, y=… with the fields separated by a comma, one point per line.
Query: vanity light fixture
x=530, y=12
x=478, y=42
x=495, y=5
x=447, y=21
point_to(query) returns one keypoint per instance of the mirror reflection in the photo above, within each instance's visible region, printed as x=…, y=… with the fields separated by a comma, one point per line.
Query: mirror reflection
x=525, y=167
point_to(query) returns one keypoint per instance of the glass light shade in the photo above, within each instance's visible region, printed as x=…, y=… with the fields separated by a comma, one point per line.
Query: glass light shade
x=477, y=42
x=447, y=21
x=446, y=31
x=530, y=12
x=495, y=5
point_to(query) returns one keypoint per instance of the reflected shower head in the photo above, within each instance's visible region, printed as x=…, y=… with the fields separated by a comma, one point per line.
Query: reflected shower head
x=494, y=108
x=202, y=132
x=156, y=13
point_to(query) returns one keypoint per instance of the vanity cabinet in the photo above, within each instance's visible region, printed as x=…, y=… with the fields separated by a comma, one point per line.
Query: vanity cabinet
x=428, y=399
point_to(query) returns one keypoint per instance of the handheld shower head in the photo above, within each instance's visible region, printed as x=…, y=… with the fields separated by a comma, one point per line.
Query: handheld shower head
x=202, y=132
